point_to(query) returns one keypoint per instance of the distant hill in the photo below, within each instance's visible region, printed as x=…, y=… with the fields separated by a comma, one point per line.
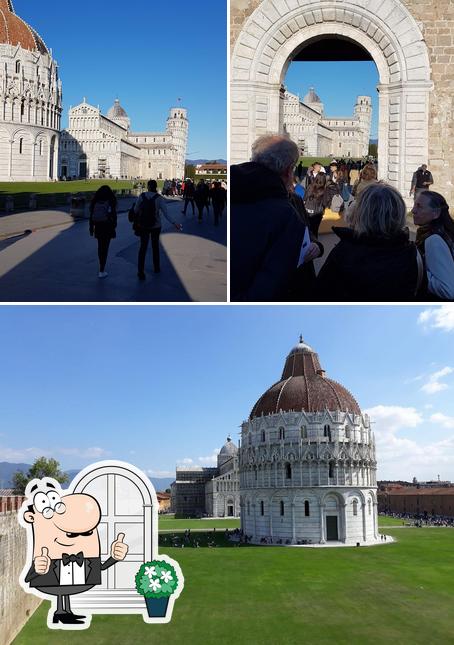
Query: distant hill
x=7, y=471
x=194, y=162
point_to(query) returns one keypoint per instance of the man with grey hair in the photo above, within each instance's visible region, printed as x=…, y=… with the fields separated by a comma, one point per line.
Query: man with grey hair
x=266, y=232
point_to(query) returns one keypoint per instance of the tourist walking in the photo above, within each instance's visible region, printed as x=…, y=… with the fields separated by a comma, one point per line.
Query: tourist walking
x=435, y=241
x=312, y=173
x=218, y=197
x=188, y=195
x=374, y=259
x=103, y=223
x=266, y=233
x=421, y=180
x=317, y=197
x=147, y=225
x=201, y=198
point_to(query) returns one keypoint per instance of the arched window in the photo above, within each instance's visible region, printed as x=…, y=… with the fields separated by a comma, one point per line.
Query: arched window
x=306, y=509
x=262, y=508
x=282, y=508
x=21, y=145
x=40, y=147
x=263, y=435
x=331, y=470
x=250, y=439
x=288, y=471
x=281, y=433
x=255, y=472
x=347, y=433
x=327, y=432
x=355, y=507
x=303, y=432
x=249, y=508
x=17, y=66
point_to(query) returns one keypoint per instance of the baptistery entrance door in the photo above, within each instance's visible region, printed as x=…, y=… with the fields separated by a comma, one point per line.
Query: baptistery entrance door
x=332, y=533
x=126, y=502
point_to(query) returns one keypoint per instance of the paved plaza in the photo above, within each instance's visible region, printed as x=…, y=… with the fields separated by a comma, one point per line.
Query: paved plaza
x=47, y=256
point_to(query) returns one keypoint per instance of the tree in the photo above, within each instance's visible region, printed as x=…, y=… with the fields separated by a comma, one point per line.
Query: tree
x=189, y=171
x=373, y=150
x=42, y=467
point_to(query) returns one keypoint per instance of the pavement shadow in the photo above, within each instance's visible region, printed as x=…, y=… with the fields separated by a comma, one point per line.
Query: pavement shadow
x=59, y=264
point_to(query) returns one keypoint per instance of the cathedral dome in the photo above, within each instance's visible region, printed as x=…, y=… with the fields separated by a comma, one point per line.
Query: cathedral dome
x=304, y=386
x=15, y=31
x=228, y=449
x=116, y=111
x=311, y=97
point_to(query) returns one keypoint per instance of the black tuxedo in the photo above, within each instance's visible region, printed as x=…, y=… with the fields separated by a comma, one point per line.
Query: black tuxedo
x=93, y=568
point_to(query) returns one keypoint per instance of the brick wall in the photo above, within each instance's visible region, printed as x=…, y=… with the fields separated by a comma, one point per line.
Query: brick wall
x=15, y=605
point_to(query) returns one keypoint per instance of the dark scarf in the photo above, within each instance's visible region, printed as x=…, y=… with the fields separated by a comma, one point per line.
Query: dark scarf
x=434, y=228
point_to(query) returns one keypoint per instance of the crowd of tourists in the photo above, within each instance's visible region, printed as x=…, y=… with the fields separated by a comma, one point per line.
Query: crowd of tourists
x=276, y=212
x=146, y=216
x=418, y=520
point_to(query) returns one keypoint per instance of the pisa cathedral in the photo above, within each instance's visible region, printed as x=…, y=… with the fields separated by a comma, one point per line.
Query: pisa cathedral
x=317, y=135
x=32, y=145
x=96, y=146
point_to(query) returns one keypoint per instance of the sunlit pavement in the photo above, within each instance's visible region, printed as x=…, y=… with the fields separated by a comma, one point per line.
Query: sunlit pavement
x=57, y=261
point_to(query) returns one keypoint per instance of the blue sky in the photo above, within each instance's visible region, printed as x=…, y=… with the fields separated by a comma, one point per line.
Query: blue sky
x=161, y=385
x=148, y=54
x=337, y=84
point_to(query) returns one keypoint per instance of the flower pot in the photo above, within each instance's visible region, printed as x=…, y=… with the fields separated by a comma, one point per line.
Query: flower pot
x=157, y=607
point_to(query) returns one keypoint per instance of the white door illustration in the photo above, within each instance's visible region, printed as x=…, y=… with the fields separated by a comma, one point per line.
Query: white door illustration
x=126, y=499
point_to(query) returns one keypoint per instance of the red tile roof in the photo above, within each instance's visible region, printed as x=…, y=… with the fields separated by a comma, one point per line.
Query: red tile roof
x=15, y=31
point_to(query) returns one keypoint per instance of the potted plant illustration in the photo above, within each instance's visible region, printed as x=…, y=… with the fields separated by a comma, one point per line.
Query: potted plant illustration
x=159, y=582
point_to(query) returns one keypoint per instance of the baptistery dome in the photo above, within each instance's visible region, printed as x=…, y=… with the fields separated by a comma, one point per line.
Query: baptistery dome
x=304, y=386
x=31, y=100
x=15, y=31
x=119, y=115
x=307, y=461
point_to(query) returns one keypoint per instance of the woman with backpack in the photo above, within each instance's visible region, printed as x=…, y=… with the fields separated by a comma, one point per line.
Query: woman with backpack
x=103, y=223
x=318, y=196
x=435, y=241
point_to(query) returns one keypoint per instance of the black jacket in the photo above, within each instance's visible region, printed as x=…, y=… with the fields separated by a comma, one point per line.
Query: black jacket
x=265, y=234
x=363, y=269
x=93, y=568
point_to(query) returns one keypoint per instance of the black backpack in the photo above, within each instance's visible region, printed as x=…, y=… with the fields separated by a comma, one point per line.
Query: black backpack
x=147, y=213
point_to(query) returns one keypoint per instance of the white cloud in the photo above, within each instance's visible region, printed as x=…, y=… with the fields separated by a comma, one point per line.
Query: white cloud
x=443, y=420
x=434, y=385
x=399, y=457
x=160, y=473
x=209, y=460
x=438, y=317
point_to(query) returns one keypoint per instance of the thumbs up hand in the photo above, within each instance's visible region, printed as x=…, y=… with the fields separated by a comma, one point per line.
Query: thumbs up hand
x=42, y=562
x=119, y=549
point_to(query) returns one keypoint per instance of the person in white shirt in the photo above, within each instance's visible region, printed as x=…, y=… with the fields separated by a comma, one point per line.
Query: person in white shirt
x=435, y=241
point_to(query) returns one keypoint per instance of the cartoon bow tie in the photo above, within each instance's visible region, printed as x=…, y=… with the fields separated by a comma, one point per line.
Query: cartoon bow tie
x=79, y=558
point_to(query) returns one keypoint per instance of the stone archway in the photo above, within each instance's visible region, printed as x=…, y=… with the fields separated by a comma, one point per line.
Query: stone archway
x=276, y=30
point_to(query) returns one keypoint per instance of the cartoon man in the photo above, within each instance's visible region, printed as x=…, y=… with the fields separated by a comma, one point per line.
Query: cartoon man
x=66, y=548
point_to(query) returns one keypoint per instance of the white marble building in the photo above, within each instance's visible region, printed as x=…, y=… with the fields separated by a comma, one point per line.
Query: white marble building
x=307, y=461
x=30, y=102
x=215, y=492
x=317, y=135
x=97, y=146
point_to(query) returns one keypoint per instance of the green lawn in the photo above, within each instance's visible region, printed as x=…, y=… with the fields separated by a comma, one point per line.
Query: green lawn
x=325, y=161
x=91, y=186
x=398, y=593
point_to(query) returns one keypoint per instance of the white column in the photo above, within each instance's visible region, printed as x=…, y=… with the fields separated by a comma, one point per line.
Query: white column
x=293, y=523
x=322, y=524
